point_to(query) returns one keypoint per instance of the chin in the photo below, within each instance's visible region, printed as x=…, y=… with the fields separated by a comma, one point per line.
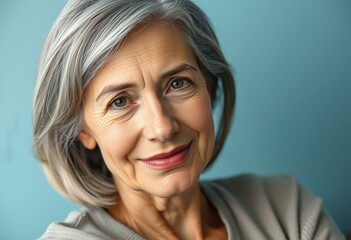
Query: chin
x=176, y=184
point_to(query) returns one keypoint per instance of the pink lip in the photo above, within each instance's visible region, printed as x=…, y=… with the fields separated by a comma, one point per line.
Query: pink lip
x=168, y=160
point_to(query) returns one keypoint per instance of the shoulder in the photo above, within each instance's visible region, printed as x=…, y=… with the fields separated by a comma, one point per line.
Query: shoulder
x=89, y=224
x=252, y=181
x=253, y=188
x=278, y=201
x=77, y=225
x=253, y=193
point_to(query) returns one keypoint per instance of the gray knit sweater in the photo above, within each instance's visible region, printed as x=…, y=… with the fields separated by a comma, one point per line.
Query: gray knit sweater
x=251, y=207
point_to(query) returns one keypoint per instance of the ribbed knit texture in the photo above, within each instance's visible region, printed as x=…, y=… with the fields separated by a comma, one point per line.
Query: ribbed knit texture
x=251, y=207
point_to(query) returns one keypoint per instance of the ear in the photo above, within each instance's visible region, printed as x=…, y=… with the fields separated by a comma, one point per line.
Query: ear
x=87, y=140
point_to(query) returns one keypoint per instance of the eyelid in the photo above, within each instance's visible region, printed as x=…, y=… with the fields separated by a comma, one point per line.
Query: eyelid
x=188, y=81
x=121, y=95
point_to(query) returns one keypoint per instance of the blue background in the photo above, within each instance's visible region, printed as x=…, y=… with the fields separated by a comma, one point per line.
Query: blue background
x=293, y=72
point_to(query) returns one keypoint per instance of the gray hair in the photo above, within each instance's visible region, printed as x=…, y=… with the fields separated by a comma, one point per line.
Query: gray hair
x=80, y=43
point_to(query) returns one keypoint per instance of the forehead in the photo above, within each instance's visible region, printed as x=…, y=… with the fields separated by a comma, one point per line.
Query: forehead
x=157, y=43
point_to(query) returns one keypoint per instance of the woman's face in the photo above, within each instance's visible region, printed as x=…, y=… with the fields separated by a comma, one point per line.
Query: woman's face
x=149, y=111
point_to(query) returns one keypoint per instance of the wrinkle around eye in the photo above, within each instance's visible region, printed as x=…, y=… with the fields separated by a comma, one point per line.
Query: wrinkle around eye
x=190, y=88
x=121, y=116
x=105, y=119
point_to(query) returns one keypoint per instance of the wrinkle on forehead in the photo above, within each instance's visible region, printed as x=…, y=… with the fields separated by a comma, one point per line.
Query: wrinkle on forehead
x=147, y=54
x=154, y=55
x=167, y=46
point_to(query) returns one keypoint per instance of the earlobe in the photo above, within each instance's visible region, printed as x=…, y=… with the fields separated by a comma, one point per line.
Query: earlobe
x=87, y=140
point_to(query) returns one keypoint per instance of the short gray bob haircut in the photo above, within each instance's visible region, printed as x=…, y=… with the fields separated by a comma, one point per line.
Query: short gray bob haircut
x=82, y=40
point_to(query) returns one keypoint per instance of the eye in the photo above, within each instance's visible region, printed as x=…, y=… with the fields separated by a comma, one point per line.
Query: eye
x=119, y=103
x=179, y=84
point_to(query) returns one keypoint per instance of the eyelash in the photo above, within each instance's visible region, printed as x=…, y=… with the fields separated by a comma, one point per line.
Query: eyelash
x=128, y=102
x=186, y=83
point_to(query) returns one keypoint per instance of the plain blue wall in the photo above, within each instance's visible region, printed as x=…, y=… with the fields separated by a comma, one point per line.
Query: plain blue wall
x=293, y=68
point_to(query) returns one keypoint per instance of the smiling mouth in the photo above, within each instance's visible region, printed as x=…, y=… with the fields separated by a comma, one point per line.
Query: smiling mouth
x=168, y=160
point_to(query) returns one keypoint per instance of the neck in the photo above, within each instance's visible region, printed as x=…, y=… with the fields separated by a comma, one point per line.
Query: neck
x=187, y=216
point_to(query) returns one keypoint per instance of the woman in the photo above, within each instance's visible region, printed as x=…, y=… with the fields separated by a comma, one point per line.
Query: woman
x=123, y=125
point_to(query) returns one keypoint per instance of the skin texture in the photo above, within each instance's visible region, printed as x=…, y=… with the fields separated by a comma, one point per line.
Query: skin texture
x=151, y=98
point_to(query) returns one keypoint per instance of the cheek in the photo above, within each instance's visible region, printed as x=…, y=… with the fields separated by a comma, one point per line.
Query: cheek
x=198, y=117
x=115, y=146
x=114, y=139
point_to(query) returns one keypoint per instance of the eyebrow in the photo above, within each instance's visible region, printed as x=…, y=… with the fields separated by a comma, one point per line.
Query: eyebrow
x=115, y=88
x=178, y=69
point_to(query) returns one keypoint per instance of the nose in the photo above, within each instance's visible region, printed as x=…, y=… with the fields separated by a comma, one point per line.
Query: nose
x=160, y=125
